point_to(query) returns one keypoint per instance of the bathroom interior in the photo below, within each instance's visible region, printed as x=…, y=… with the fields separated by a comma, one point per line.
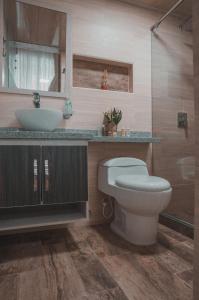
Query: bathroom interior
x=99, y=176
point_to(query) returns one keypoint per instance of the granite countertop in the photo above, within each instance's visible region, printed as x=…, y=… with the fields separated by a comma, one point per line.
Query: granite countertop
x=130, y=139
x=75, y=134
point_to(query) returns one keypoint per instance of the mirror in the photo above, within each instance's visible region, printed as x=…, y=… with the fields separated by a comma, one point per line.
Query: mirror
x=34, y=48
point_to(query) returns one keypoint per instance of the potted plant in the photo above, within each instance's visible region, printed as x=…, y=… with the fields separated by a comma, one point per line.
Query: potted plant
x=111, y=121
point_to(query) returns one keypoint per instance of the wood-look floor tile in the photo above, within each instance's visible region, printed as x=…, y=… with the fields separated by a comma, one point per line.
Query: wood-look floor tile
x=8, y=287
x=104, y=242
x=187, y=277
x=171, y=261
x=131, y=278
x=189, y=243
x=179, y=248
x=184, y=252
x=91, y=263
x=20, y=257
x=173, y=235
x=93, y=274
x=148, y=275
x=167, y=283
x=10, y=240
x=68, y=281
x=37, y=284
x=111, y=294
x=76, y=232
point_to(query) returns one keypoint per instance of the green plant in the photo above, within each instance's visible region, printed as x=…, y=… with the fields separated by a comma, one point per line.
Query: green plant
x=108, y=118
x=113, y=117
x=116, y=116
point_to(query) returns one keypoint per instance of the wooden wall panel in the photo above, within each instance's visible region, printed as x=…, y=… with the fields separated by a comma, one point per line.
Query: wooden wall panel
x=172, y=90
x=196, y=72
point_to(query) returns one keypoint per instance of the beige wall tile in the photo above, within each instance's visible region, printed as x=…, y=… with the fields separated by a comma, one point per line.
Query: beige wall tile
x=109, y=30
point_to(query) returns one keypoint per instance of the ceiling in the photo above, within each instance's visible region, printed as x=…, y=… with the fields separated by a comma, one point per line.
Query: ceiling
x=184, y=10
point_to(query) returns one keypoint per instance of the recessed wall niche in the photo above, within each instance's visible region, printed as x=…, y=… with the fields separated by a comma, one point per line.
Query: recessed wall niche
x=89, y=72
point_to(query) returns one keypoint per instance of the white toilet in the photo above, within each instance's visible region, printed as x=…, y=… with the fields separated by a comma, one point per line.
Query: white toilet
x=139, y=198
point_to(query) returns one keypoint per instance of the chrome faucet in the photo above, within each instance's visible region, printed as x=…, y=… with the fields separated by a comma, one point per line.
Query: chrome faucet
x=36, y=100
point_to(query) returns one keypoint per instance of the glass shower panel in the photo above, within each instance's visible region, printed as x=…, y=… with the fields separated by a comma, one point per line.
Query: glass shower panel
x=172, y=93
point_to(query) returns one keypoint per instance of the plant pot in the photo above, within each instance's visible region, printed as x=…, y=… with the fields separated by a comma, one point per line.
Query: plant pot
x=110, y=129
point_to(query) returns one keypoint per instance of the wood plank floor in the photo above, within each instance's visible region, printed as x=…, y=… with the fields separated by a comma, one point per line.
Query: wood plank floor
x=82, y=262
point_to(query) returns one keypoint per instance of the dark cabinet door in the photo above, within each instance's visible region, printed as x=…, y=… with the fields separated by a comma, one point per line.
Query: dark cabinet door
x=20, y=176
x=64, y=174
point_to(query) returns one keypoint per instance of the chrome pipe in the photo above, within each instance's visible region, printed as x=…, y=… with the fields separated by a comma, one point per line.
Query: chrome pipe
x=157, y=24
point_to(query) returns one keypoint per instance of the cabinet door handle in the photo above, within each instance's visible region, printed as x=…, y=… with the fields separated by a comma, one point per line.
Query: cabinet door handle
x=35, y=170
x=46, y=175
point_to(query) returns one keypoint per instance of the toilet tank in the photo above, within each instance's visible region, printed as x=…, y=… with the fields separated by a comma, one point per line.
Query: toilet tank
x=110, y=169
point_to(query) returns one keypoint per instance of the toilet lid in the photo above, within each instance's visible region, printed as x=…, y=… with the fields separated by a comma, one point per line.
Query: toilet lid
x=143, y=183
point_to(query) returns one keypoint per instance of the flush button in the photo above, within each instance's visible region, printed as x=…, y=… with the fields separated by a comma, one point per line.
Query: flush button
x=182, y=120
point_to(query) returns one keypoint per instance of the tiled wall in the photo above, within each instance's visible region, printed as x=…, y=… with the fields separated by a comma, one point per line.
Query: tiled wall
x=172, y=91
x=196, y=71
x=117, y=31
x=109, y=30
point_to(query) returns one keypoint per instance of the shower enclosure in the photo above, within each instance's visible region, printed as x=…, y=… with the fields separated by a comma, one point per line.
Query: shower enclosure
x=173, y=110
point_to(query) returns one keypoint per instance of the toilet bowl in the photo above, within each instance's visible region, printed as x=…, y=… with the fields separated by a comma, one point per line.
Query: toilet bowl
x=139, y=198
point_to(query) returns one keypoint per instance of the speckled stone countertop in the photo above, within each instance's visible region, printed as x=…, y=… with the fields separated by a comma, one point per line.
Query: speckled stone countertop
x=133, y=138
x=75, y=134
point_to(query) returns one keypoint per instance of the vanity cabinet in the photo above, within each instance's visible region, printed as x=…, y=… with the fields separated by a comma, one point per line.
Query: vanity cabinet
x=19, y=176
x=42, y=175
x=64, y=174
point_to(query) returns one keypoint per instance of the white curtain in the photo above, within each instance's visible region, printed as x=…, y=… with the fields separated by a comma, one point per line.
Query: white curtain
x=33, y=70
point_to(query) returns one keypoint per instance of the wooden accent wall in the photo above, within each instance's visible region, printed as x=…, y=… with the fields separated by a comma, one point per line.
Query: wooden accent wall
x=196, y=71
x=172, y=90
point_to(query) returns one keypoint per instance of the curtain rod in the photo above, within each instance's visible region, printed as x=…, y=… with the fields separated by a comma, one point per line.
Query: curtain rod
x=157, y=24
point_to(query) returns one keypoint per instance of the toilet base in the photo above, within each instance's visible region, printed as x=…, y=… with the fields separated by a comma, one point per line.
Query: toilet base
x=138, y=230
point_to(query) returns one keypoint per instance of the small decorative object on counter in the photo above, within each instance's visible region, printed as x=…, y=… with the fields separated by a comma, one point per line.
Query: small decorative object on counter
x=104, y=83
x=103, y=129
x=68, y=109
x=111, y=121
x=128, y=132
x=123, y=133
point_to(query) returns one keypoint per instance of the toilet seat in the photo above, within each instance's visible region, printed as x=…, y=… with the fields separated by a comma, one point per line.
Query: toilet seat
x=143, y=183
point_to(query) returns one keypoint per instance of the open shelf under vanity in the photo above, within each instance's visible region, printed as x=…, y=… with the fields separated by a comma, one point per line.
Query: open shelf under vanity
x=14, y=219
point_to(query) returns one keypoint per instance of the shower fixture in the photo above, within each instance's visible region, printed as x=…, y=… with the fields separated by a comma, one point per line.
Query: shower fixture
x=157, y=24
